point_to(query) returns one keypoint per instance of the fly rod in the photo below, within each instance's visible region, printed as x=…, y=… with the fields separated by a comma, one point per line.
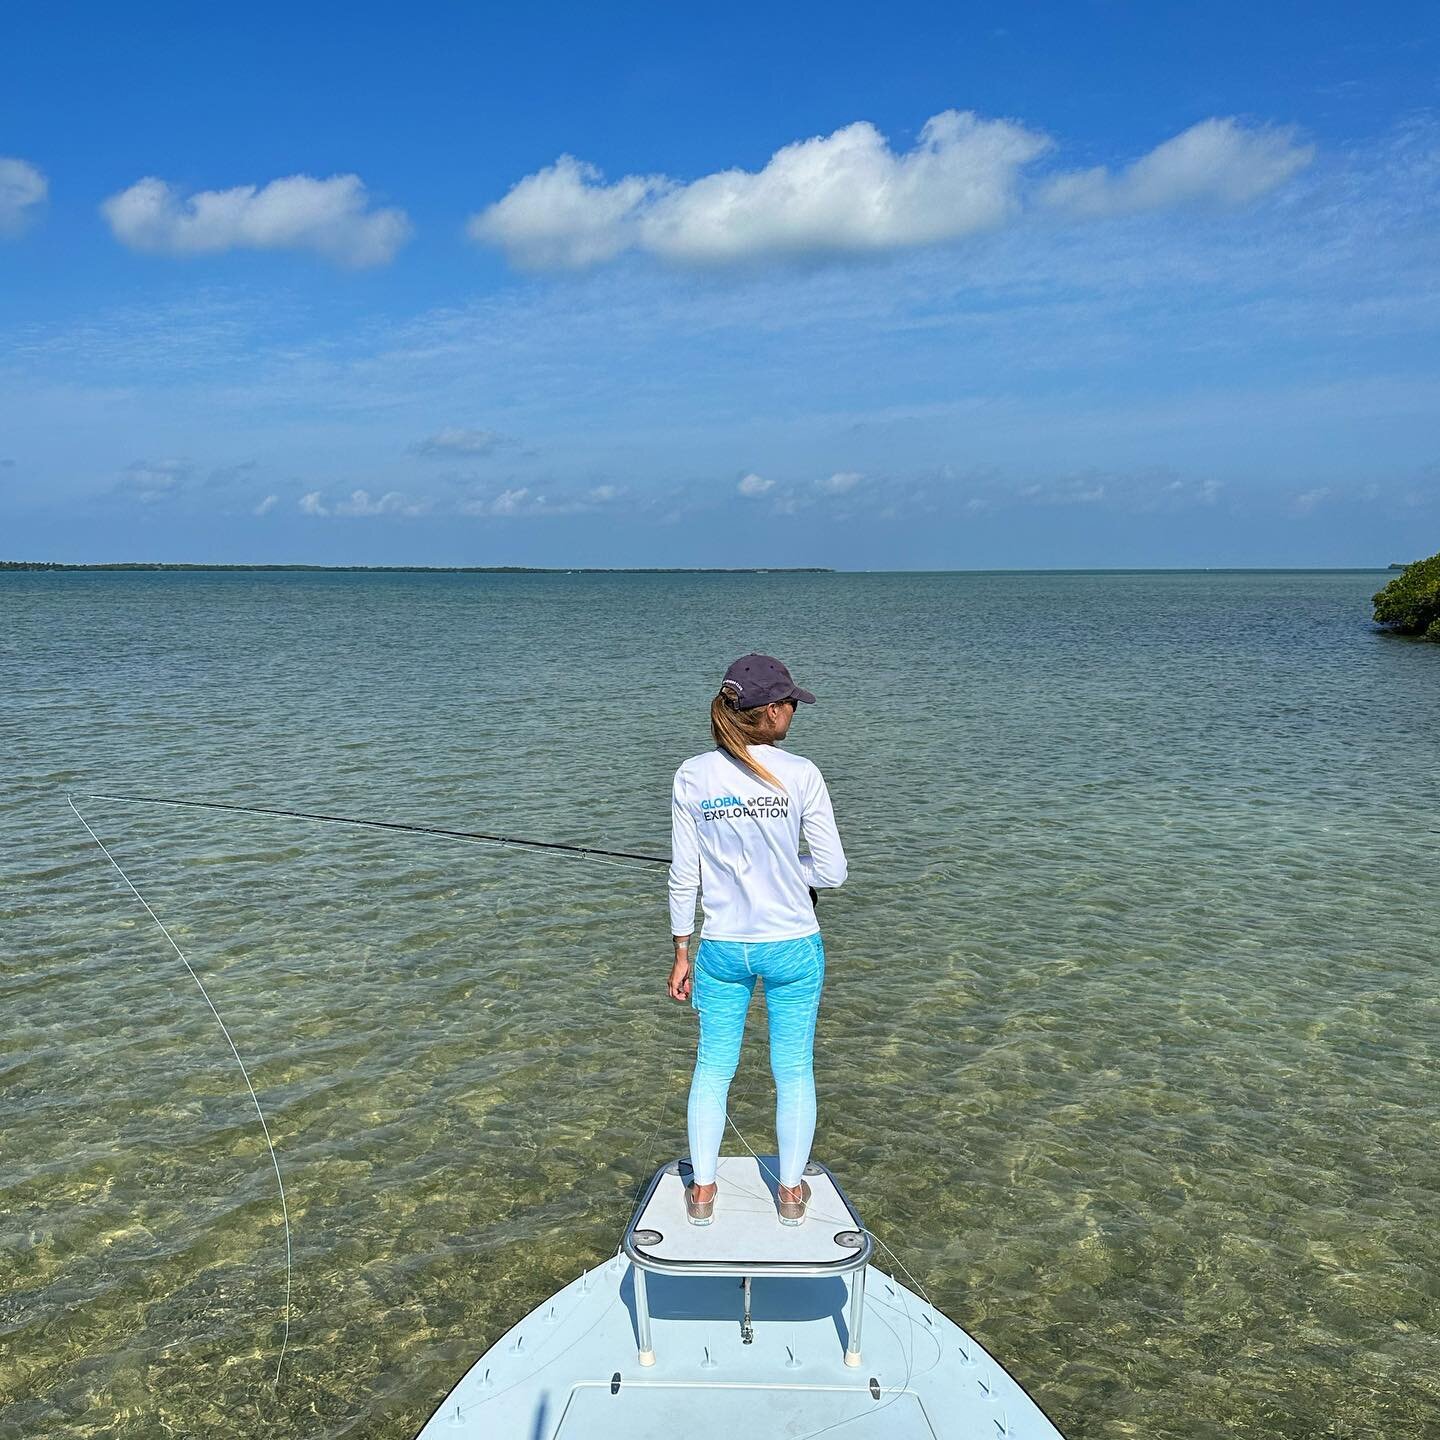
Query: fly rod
x=379, y=825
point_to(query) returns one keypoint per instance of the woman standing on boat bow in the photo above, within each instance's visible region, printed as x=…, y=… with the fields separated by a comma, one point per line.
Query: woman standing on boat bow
x=738, y=814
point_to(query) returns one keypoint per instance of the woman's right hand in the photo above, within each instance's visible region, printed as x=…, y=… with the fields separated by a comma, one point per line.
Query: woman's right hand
x=678, y=987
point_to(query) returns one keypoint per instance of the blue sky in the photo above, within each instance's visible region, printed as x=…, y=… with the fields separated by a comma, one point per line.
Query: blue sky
x=927, y=286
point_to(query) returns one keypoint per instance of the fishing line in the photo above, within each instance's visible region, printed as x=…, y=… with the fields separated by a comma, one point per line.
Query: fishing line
x=515, y=840
x=280, y=1183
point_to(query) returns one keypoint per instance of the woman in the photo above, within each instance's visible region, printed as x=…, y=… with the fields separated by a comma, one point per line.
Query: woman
x=738, y=815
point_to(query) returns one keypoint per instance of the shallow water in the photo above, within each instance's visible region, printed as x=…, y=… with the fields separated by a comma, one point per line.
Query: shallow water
x=1128, y=1038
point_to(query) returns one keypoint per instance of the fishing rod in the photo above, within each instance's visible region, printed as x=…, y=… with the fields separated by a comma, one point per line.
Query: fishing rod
x=475, y=835
x=276, y=811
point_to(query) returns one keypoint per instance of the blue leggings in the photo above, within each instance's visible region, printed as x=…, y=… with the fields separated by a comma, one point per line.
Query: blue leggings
x=724, y=981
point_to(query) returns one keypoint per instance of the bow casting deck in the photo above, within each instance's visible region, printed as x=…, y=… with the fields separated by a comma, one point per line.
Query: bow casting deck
x=745, y=1330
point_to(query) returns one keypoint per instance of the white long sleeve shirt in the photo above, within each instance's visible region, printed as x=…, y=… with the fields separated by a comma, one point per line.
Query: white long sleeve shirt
x=735, y=841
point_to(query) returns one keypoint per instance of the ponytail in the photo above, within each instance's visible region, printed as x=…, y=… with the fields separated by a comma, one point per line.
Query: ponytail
x=735, y=731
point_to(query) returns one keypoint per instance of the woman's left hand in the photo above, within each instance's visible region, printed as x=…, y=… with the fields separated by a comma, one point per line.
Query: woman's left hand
x=678, y=987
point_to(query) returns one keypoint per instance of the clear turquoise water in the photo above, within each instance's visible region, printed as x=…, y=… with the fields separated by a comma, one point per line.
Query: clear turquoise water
x=1128, y=1044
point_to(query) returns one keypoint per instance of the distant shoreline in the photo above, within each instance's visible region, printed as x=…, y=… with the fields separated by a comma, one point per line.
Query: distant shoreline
x=442, y=569
x=144, y=566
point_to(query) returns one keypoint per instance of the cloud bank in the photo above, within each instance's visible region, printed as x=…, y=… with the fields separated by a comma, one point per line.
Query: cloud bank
x=23, y=189
x=846, y=193
x=849, y=193
x=331, y=217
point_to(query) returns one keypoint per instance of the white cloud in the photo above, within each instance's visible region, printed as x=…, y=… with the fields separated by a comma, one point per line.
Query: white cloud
x=511, y=502
x=846, y=193
x=361, y=502
x=266, y=505
x=565, y=216
x=331, y=217
x=1218, y=162
x=458, y=441
x=840, y=483
x=23, y=189
x=1304, y=504
x=753, y=485
x=390, y=503
x=521, y=500
x=517, y=501
x=1203, y=492
x=849, y=193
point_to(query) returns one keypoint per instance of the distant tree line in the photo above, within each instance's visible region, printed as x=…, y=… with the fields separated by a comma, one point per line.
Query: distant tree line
x=444, y=569
x=1410, y=603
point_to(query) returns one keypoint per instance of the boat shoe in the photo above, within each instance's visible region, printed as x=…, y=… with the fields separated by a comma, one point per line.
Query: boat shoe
x=699, y=1212
x=792, y=1212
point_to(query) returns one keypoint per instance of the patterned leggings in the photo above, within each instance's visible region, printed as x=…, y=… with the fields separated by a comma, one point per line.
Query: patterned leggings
x=724, y=981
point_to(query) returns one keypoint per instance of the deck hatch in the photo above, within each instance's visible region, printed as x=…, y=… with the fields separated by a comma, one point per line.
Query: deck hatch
x=643, y=1411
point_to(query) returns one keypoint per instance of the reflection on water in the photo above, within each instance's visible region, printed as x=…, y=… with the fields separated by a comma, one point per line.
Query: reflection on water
x=1127, y=1043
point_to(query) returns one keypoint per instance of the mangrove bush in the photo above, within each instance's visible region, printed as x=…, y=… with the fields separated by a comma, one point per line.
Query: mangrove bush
x=1410, y=603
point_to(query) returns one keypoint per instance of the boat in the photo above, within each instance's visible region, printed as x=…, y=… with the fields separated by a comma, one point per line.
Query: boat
x=744, y=1329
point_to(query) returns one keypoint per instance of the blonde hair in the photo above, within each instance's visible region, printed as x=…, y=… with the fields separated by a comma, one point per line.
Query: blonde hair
x=736, y=730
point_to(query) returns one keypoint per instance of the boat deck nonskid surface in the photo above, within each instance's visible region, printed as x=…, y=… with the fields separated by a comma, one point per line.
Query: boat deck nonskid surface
x=570, y=1370
x=746, y=1233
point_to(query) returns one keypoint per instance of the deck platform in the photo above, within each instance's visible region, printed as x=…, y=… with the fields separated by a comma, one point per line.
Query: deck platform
x=746, y=1238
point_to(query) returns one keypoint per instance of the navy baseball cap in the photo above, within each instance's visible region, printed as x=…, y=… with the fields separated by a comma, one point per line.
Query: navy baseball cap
x=761, y=680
